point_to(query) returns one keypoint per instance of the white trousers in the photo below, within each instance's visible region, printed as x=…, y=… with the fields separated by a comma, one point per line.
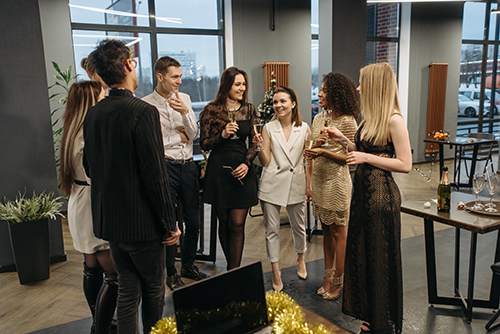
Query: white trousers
x=296, y=216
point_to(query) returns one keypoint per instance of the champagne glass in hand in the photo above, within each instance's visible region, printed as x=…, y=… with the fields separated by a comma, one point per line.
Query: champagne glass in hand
x=492, y=187
x=326, y=118
x=232, y=118
x=257, y=129
x=308, y=144
x=478, y=185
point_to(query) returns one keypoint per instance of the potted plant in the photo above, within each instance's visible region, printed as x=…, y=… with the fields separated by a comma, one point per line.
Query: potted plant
x=28, y=220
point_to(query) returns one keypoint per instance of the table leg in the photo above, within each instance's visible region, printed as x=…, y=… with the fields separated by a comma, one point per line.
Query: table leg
x=430, y=254
x=472, y=270
x=456, y=170
x=473, y=164
x=441, y=158
x=457, y=261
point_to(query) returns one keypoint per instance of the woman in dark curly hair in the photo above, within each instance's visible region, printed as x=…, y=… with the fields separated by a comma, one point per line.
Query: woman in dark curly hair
x=231, y=184
x=331, y=182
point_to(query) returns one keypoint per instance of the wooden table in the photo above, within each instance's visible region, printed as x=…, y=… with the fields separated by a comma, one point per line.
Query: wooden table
x=460, y=219
x=459, y=142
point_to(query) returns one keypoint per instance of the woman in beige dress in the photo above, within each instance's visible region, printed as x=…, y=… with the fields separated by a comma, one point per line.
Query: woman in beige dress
x=331, y=182
x=100, y=281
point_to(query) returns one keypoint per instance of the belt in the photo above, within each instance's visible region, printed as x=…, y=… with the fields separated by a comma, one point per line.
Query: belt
x=81, y=183
x=179, y=161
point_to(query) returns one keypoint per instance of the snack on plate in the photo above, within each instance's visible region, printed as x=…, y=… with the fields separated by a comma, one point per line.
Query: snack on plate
x=461, y=205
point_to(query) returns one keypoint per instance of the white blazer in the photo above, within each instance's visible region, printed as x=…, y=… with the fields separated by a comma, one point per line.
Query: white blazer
x=283, y=181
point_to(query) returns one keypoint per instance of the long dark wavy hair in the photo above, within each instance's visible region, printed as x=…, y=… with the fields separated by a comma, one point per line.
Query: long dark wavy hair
x=215, y=112
x=341, y=94
x=81, y=97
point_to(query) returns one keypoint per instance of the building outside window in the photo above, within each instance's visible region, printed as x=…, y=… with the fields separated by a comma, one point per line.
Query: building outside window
x=382, y=29
x=477, y=67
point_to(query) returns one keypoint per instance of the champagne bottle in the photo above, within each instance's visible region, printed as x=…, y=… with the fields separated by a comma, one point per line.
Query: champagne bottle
x=444, y=192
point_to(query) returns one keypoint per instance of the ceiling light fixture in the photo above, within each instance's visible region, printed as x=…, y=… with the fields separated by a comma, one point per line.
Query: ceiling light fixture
x=115, y=12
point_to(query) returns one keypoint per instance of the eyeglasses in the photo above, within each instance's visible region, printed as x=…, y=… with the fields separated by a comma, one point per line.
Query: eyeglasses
x=134, y=62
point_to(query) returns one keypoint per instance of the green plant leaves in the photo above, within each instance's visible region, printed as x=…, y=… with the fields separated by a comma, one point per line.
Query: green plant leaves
x=43, y=205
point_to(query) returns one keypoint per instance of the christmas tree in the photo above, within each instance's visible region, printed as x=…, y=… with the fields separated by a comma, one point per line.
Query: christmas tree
x=265, y=110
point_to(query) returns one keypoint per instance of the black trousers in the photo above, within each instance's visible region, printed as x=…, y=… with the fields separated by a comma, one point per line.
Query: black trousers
x=183, y=181
x=141, y=273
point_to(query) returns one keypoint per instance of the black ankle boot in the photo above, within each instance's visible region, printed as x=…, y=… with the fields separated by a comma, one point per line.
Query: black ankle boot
x=106, y=303
x=92, y=282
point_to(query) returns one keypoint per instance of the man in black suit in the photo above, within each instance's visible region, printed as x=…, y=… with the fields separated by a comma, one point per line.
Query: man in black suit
x=131, y=203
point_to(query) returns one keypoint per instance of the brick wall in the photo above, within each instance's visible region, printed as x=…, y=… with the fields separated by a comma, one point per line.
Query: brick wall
x=387, y=24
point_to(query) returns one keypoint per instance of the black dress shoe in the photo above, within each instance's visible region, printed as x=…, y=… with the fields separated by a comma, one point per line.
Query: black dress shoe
x=193, y=273
x=174, y=281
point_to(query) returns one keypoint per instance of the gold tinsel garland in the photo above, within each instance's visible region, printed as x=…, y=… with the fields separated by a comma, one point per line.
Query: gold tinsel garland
x=283, y=312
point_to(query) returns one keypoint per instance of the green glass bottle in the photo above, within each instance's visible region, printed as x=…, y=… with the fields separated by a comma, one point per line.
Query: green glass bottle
x=444, y=192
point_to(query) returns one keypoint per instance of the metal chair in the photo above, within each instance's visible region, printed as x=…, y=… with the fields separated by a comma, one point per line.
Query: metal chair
x=484, y=153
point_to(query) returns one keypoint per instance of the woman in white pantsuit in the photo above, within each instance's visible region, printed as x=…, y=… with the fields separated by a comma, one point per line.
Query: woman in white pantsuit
x=285, y=181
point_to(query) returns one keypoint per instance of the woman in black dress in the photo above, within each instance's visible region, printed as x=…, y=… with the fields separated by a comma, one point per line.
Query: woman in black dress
x=373, y=288
x=231, y=184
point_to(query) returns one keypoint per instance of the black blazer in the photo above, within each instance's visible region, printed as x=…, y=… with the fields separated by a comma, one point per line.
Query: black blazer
x=123, y=156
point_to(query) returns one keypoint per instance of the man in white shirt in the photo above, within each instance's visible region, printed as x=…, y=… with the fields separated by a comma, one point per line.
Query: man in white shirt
x=179, y=129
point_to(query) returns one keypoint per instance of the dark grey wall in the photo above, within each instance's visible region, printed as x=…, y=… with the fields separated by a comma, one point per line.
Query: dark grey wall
x=255, y=43
x=436, y=36
x=26, y=150
x=26, y=147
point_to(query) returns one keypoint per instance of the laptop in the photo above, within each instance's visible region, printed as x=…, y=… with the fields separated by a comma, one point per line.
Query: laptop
x=232, y=302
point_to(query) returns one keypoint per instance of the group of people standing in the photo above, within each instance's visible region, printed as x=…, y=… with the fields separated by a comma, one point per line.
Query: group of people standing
x=126, y=162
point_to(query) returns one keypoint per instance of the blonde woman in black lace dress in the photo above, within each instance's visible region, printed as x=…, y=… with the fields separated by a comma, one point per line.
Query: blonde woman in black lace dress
x=373, y=289
x=230, y=180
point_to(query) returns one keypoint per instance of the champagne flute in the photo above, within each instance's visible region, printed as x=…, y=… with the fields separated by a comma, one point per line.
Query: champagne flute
x=308, y=144
x=478, y=185
x=232, y=118
x=257, y=129
x=326, y=123
x=492, y=187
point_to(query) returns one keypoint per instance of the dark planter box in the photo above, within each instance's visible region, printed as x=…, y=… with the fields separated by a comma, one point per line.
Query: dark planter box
x=31, y=248
x=57, y=253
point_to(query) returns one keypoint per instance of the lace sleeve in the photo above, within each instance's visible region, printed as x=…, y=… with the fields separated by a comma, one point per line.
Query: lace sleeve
x=251, y=153
x=208, y=142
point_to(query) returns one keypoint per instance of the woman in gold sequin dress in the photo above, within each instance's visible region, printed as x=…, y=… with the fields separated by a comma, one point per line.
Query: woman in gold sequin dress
x=331, y=182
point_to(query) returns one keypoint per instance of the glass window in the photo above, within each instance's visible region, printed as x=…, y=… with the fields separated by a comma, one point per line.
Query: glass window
x=470, y=64
x=199, y=58
x=112, y=12
x=377, y=52
x=473, y=21
x=314, y=77
x=201, y=14
x=493, y=21
x=314, y=17
x=85, y=42
x=383, y=20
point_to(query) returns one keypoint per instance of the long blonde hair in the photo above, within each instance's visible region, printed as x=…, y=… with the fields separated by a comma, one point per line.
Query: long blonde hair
x=379, y=101
x=81, y=96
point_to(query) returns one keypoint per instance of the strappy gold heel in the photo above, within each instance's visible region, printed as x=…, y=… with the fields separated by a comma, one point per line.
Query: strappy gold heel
x=338, y=281
x=327, y=273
